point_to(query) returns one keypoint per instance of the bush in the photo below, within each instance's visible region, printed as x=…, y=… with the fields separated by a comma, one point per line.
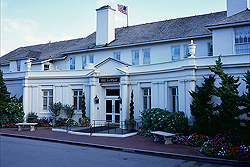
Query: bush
x=44, y=122
x=31, y=116
x=221, y=147
x=64, y=122
x=162, y=120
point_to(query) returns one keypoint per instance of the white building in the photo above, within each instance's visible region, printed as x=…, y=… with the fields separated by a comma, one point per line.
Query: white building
x=151, y=59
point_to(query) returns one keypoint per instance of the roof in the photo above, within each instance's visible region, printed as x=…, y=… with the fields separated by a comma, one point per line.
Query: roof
x=172, y=29
x=241, y=17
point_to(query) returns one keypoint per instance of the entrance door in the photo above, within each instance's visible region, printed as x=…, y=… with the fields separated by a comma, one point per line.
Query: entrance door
x=112, y=110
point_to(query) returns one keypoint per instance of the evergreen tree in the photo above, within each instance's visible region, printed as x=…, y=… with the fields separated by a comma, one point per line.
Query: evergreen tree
x=4, y=100
x=131, y=109
x=228, y=109
x=83, y=106
x=246, y=95
x=202, y=107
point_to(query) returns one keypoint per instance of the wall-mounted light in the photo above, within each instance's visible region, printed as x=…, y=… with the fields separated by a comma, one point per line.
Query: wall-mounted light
x=120, y=100
x=96, y=100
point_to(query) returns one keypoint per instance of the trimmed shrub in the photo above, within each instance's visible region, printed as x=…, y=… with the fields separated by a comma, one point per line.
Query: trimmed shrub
x=162, y=120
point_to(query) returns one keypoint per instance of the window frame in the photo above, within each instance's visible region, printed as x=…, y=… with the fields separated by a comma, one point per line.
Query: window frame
x=78, y=98
x=147, y=97
x=210, y=48
x=134, y=58
x=48, y=97
x=91, y=58
x=242, y=39
x=174, y=99
x=72, y=66
x=173, y=55
x=116, y=55
x=18, y=65
x=84, y=64
x=146, y=57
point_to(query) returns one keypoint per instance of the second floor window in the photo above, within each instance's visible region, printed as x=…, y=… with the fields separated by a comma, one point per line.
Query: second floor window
x=117, y=55
x=242, y=40
x=46, y=67
x=187, y=54
x=146, y=56
x=210, y=49
x=176, y=53
x=84, y=61
x=91, y=58
x=72, y=63
x=18, y=65
x=135, y=57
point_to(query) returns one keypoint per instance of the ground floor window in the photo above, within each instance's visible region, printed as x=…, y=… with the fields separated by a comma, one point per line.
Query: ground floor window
x=146, y=98
x=77, y=99
x=47, y=98
x=174, y=99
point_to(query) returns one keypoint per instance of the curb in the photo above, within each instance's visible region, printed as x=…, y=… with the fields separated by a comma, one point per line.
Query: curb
x=138, y=151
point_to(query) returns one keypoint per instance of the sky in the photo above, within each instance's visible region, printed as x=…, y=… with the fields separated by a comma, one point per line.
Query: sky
x=32, y=22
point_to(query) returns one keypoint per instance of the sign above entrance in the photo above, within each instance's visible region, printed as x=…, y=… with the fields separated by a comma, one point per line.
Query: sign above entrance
x=108, y=80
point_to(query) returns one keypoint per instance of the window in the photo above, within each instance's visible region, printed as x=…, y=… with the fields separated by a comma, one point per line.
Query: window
x=47, y=98
x=146, y=98
x=117, y=55
x=187, y=54
x=91, y=58
x=176, y=53
x=146, y=56
x=210, y=49
x=77, y=99
x=72, y=63
x=242, y=40
x=135, y=57
x=46, y=67
x=18, y=65
x=84, y=61
x=112, y=92
x=174, y=99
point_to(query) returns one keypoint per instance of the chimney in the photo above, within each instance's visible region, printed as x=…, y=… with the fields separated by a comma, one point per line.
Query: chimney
x=236, y=6
x=105, y=25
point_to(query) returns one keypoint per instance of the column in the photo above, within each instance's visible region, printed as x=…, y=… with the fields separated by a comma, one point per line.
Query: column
x=125, y=99
x=93, y=112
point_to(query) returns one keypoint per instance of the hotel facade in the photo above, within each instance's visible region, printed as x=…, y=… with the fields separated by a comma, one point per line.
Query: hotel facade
x=155, y=60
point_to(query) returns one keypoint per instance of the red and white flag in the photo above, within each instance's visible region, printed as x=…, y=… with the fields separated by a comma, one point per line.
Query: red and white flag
x=122, y=9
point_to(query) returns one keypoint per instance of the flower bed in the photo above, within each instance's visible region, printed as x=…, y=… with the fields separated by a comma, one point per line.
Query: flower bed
x=221, y=147
x=193, y=140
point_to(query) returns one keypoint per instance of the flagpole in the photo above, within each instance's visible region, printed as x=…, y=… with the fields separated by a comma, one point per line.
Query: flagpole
x=127, y=16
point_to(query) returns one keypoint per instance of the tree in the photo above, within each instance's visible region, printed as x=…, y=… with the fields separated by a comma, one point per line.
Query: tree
x=69, y=110
x=131, y=107
x=55, y=110
x=4, y=100
x=229, y=108
x=202, y=107
x=83, y=106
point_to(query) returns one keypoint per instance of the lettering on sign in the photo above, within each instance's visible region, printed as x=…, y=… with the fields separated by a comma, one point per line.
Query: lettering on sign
x=105, y=80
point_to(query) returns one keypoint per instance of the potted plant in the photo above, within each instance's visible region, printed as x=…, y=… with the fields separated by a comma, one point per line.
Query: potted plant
x=131, y=122
x=84, y=121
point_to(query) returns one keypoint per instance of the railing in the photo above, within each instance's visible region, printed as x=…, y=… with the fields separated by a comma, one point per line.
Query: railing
x=114, y=127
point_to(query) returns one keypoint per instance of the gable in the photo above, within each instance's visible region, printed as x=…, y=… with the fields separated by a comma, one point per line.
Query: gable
x=111, y=66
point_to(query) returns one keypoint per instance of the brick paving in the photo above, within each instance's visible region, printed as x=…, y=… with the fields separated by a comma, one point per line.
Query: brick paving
x=137, y=142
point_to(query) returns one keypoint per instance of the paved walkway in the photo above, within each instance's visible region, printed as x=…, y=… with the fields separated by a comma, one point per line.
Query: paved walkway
x=136, y=143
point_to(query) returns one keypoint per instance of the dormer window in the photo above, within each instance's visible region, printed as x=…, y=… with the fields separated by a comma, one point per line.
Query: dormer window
x=46, y=67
